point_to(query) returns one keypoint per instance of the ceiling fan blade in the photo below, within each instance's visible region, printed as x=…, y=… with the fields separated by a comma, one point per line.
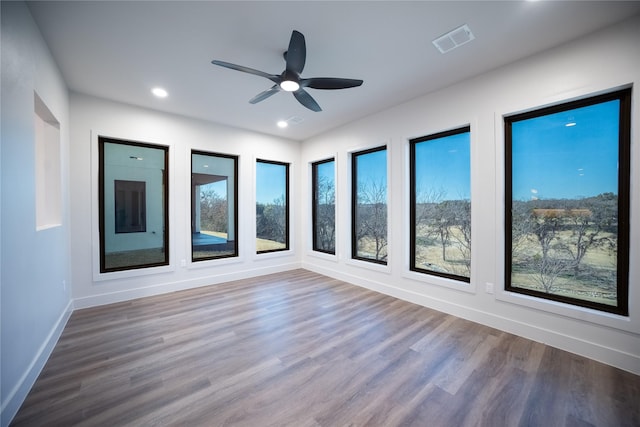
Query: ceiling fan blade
x=329, y=83
x=305, y=99
x=264, y=95
x=274, y=78
x=296, y=54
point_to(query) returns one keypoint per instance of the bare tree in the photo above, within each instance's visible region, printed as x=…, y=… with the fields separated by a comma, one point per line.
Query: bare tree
x=521, y=227
x=566, y=230
x=588, y=225
x=271, y=220
x=372, y=217
x=547, y=269
x=545, y=227
x=442, y=223
x=325, y=230
x=213, y=211
x=462, y=219
x=446, y=222
x=548, y=265
x=426, y=197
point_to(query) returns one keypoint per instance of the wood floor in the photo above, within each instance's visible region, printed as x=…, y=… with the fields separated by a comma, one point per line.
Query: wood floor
x=300, y=349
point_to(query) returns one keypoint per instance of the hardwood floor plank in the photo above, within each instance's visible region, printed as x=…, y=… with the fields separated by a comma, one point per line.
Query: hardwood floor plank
x=300, y=349
x=504, y=402
x=549, y=393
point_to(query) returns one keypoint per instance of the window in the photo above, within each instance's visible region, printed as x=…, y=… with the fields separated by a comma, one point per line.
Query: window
x=567, y=202
x=214, y=206
x=440, y=211
x=369, y=205
x=324, y=206
x=133, y=197
x=272, y=206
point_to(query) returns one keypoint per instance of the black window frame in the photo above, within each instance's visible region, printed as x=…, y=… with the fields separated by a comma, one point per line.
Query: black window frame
x=102, y=140
x=354, y=205
x=412, y=202
x=235, y=252
x=624, y=169
x=287, y=207
x=314, y=206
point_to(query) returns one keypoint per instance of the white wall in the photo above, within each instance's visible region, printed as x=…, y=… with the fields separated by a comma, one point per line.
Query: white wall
x=600, y=62
x=35, y=283
x=91, y=117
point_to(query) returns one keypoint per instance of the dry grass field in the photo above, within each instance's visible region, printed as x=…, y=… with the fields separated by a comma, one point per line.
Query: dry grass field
x=268, y=245
x=596, y=283
x=430, y=256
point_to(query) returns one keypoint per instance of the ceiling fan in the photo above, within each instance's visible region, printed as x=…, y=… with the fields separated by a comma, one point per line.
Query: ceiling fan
x=290, y=80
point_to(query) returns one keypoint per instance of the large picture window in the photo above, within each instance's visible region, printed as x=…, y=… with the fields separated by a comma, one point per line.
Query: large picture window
x=567, y=202
x=272, y=206
x=369, y=205
x=440, y=210
x=324, y=206
x=133, y=197
x=214, y=206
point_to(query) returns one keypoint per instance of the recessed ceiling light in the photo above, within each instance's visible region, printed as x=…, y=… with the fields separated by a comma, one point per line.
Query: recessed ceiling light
x=293, y=120
x=159, y=92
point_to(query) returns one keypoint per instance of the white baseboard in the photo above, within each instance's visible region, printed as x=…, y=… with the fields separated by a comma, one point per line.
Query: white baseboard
x=610, y=356
x=163, y=288
x=19, y=393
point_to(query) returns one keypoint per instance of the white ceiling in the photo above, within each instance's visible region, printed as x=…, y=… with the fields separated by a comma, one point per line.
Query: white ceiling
x=120, y=50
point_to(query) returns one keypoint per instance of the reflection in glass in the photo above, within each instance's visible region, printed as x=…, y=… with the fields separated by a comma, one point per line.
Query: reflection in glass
x=213, y=206
x=133, y=205
x=441, y=204
x=131, y=214
x=272, y=206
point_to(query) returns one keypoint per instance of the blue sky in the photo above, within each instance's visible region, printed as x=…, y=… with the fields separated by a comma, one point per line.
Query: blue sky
x=326, y=170
x=220, y=187
x=372, y=167
x=443, y=168
x=270, y=182
x=567, y=155
x=550, y=159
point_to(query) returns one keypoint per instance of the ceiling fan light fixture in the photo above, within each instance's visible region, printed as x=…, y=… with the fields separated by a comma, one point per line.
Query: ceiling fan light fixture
x=159, y=92
x=289, y=85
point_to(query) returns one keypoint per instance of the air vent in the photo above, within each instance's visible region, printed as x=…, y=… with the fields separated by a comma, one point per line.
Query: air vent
x=295, y=120
x=454, y=39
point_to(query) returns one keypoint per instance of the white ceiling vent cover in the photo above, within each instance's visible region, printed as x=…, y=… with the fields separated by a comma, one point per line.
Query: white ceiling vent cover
x=454, y=39
x=295, y=120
